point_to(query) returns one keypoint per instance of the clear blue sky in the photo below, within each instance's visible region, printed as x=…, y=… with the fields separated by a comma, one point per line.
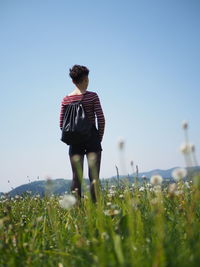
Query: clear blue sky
x=144, y=62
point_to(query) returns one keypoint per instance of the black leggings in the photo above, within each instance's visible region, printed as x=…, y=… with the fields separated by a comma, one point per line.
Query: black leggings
x=94, y=162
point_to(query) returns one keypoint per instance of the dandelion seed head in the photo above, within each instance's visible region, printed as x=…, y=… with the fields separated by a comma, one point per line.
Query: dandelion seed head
x=185, y=148
x=172, y=188
x=67, y=201
x=156, y=179
x=179, y=173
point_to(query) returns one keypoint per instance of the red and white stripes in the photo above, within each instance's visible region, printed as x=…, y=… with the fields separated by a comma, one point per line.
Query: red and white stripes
x=92, y=106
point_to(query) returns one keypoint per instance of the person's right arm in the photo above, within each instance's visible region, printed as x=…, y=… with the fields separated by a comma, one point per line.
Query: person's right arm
x=62, y=114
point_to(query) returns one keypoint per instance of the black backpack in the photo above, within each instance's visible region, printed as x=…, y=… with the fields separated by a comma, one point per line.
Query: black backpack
x=76, y=127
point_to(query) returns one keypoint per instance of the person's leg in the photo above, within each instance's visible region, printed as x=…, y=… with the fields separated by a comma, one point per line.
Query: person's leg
x=77, y=171
x=94, y=162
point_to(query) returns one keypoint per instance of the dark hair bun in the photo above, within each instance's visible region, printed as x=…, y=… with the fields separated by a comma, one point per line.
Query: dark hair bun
x=78, y=72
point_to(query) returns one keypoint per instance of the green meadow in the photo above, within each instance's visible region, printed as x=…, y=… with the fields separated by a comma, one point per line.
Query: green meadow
x=130, y=225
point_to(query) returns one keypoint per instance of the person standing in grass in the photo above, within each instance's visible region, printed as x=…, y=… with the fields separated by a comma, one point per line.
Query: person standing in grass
x=92, y=148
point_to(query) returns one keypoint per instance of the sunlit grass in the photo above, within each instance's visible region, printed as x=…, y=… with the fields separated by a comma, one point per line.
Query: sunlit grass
x=141, y=224
x=129, y=226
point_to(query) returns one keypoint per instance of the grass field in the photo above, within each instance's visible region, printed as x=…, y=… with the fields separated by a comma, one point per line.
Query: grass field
x=130, y=225
x=149, y=224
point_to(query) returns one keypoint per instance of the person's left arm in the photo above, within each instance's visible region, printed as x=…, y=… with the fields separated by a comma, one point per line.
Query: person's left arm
x=100, y=116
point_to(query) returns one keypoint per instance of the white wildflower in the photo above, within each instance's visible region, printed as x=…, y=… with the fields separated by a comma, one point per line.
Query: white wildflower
x=105, y=236
x=142, y=188
x=111, y=212
x=112, y=192
x=156, y=179
x=67, y=201
x=179, y=173
x=39, y=219
x=187, y=184
x=157, y=189
x=113, y=206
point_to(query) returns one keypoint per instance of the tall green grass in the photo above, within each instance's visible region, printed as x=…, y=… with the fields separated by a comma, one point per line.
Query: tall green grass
x=128, y=226
x=139, y=225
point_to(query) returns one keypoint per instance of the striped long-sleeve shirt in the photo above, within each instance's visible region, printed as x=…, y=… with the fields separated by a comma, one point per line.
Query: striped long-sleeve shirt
x=92, y=107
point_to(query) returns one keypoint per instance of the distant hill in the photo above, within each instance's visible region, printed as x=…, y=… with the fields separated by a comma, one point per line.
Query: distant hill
x=60, y=186
x=57, y=187
x=164, y=173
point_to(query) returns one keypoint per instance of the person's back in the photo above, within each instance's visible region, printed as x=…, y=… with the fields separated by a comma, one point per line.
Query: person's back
x=91, y=148
x=91, y=106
